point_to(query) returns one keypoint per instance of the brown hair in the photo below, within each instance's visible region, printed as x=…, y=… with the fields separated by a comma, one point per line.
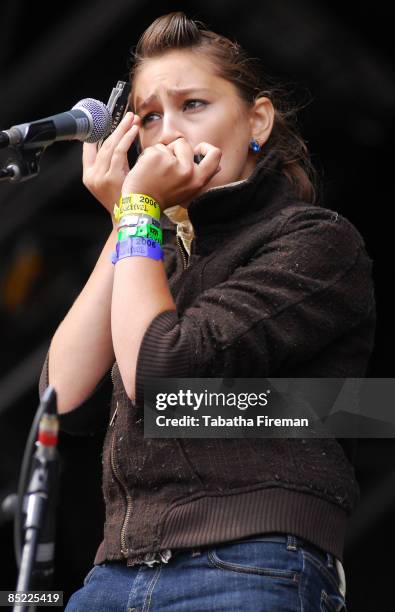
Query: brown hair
x=177, y=31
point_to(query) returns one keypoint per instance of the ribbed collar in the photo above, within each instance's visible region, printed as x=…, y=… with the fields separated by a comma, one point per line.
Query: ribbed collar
x=223, y=206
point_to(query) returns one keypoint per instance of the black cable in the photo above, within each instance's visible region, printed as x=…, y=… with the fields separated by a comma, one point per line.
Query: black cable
x=22, y=484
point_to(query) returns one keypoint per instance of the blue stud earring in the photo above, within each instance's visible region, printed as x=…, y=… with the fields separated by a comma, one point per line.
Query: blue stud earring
x=255, y=146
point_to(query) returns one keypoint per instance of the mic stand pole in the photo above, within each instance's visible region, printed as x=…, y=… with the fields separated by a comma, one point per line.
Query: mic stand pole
x=38, y=493
x=41, y=502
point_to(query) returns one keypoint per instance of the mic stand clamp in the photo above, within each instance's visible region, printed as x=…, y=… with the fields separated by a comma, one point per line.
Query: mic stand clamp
x=22, y=165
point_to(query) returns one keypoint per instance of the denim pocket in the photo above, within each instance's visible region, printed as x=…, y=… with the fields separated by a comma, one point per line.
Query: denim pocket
x=90, y=574
x=264, y=558
x=329, y=575
x=332, y=603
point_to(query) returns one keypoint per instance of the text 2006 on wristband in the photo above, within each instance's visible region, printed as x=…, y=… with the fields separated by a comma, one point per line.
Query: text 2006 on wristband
x=136, y=202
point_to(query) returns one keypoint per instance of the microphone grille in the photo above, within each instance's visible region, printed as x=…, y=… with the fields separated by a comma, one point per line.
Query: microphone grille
x=101, y=118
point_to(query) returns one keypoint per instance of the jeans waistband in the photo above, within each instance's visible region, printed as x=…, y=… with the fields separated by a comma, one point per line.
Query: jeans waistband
x=294, y=543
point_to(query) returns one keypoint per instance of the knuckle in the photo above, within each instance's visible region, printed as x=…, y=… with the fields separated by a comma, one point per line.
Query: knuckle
x=106, y=145
x=111, y=181
x=163, y=153
x=169, y=161
x=151, y=152
x=186, y=172
x=200, y=182
x=118, y=150
x=87, y=180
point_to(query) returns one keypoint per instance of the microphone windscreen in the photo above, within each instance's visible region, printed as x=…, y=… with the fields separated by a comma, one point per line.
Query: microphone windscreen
x=101, y=118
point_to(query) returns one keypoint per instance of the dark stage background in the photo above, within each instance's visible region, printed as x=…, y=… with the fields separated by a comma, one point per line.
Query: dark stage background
x=336, y=55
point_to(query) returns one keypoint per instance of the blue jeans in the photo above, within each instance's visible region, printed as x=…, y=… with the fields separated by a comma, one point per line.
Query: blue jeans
x=269, y=573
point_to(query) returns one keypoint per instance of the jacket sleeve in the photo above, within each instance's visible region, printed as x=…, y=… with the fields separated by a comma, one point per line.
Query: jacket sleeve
x=92, y=415
x=305, y=288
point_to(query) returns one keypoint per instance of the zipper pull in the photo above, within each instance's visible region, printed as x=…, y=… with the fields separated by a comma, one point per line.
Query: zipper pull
x=114, y=416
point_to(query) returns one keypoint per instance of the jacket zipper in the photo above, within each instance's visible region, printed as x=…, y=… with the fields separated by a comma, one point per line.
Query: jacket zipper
x=113, y=384
x=183, y=251
x=124, y=549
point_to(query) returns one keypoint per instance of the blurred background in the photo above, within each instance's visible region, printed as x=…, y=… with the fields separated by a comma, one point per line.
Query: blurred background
x=339, y=57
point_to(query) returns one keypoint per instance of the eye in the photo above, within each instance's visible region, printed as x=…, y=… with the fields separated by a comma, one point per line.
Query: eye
x=187, y=103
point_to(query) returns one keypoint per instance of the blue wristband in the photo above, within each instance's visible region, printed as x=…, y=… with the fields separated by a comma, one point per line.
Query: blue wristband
x=137, y=247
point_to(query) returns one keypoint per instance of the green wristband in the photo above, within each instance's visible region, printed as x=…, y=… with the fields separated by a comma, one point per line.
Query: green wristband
x=147, y=231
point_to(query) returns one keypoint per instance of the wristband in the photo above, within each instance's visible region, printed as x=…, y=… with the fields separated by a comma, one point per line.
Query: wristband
x=139, y=220
x=136, y=203
x=148, y=231
x=137, y=247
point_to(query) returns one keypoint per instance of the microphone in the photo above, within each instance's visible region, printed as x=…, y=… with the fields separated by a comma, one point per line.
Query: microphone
x=89, y=120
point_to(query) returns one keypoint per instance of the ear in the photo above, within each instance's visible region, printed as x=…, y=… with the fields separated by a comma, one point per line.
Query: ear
x=262, y=119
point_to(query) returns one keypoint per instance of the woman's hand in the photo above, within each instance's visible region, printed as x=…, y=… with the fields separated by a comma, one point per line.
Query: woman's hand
x=104, y=171
x=168, y=173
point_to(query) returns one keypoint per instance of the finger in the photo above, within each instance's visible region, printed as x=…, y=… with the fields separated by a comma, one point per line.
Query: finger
x=182, y=151
x=124, y=145
x=112, y=141
x=89, y=153
x=161, y=147
x=210, y=162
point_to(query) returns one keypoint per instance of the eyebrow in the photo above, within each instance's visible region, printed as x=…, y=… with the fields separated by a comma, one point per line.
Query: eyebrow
x=175, y=92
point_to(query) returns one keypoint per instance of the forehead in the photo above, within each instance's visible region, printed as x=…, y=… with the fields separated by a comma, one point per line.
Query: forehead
x=176, y=70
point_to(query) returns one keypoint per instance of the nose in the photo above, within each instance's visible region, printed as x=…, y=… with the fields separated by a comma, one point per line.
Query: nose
x=170, y=130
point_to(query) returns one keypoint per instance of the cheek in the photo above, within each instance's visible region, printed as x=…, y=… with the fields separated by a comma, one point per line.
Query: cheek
x=232, y=132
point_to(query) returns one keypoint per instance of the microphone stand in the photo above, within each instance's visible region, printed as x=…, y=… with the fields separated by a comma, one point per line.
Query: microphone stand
x=37, y=559
x=22, y=165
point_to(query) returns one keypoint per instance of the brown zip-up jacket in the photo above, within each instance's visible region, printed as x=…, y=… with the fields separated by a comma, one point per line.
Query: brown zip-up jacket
x=273, y=286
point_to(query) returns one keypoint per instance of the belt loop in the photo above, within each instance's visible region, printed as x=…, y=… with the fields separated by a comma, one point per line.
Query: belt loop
x=195, y=552
x=329, y=560
x=292, y=543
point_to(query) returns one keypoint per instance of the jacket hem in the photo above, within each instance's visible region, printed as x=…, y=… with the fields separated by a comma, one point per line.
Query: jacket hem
x=218, y=519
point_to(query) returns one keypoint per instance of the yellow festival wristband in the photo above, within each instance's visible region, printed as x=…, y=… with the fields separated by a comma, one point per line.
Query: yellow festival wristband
x=136, y=203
